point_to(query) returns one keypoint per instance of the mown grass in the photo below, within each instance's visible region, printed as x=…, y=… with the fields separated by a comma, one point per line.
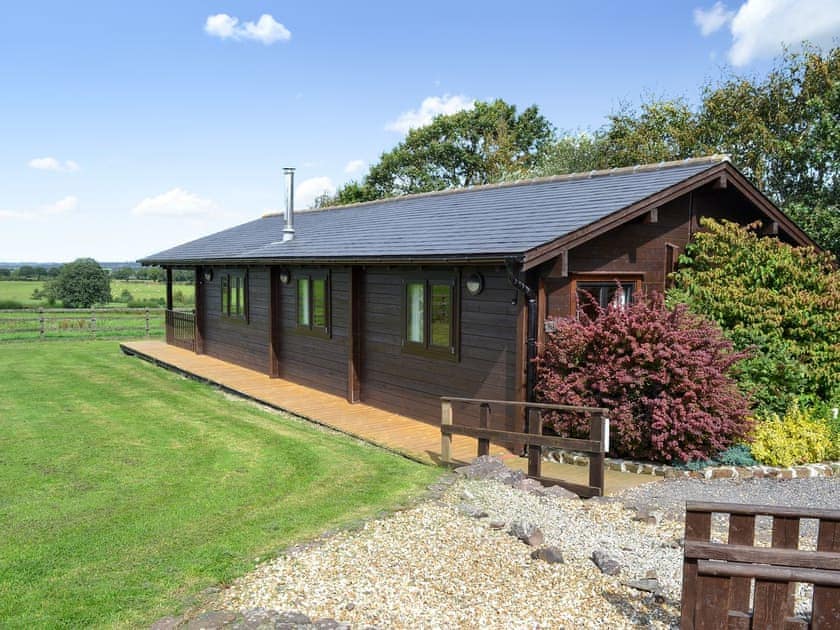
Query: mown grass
x=111, y=323
x=125, y=490
x=21, y=291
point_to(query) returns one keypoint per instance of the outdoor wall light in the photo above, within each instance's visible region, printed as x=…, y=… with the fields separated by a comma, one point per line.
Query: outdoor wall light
x=285, y=276
x=208, y=275
x=475, y=284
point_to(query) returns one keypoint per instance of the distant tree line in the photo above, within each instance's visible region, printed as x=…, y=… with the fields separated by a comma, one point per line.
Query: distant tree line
x=40, y=273
x=781, y=129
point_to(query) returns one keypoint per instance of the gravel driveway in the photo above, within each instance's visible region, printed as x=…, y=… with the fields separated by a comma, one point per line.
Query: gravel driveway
x=444, y=564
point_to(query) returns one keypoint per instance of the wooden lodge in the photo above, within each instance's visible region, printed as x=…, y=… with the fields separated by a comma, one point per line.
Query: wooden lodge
x=402, y=301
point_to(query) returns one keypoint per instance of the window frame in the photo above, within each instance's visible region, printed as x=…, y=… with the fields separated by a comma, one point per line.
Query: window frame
x=426, y=348
x=310, y=276
x=603, y=279
x=226, y=284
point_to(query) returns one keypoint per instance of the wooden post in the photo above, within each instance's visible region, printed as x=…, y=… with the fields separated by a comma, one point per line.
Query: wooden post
x=354, y=290
x=698, y=527
x=534, y=451
x=93, y=323
x=826, y=608
x=148, y=332
x=598, y=431
x=445, y=439
x=198, y=316
x=41, y=323
x=169, y=288
x=484, y=423
x=274, y=322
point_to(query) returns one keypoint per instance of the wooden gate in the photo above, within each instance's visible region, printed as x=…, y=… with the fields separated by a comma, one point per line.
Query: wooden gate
x=596, y=446
x=741, y=586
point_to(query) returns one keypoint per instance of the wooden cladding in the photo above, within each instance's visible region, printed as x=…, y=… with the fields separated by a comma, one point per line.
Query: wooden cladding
x=741, y=585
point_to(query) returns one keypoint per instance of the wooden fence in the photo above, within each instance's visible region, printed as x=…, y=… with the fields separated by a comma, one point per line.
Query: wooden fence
x=740, y=586
x=96, y=323
x=180, y=329
x=596, y=446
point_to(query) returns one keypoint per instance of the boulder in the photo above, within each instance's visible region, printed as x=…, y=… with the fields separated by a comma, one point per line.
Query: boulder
x=527, y=532
x=606, y=563
x=552, y=555
x=472, y=511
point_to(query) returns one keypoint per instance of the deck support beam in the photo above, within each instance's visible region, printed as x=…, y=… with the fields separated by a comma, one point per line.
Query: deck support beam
x=169, y=288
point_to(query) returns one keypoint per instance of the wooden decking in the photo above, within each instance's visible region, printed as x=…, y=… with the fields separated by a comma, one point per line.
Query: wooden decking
x=414, y=439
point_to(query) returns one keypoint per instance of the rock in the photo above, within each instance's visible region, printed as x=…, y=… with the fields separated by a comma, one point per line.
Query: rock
x=466, y=495
x=257, y=619
x=211, y=590
x=481, y=467
x=644, y=516
x=552, y=555
x=606, y=563
x=293, y=617
x=646, y=585
x=472, y=511
x=559, y=492
x=330, y=624
x=527, y=532
x=167, y=623
x=497, y=524
x=531, y=486
x=651, y=575
x=213, y=620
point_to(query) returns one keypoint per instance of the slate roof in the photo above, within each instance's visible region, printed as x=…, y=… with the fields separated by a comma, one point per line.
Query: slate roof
x=485, y=221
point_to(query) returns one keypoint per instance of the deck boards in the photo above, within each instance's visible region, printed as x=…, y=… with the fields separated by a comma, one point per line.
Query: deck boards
x=415, y=439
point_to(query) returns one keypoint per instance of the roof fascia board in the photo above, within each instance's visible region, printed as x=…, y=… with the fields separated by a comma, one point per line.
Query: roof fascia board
x=375, y=260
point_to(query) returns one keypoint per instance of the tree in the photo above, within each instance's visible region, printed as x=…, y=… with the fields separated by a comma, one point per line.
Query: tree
x=777, y=301
x=122, y=273
x=477, y=146
x=81, y=284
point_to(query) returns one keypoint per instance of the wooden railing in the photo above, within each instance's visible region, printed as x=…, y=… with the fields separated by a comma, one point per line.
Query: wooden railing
x=180, y=329
x=596, y=446
x=47, y=324
x=739, y=585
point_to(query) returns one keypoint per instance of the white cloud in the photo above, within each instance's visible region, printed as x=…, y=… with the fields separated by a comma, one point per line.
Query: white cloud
x=174, y=203
x=62, y=206
x=430, y=107
x=310, y=189
x=761, y=27
x=52, y=164
x=266, y=30
x=354, y=166
x=712, y=20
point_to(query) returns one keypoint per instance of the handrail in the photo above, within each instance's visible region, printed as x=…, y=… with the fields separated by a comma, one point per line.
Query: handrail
x=532, y=405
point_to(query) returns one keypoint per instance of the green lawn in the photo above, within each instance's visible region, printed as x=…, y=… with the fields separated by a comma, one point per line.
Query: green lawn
x=21, y=290
x=125, y=489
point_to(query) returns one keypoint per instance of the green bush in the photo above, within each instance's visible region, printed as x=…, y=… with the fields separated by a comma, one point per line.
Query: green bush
x=778, y=302
x=799, y=437
x=125, y=296
x=10, y=304
x=738, y=455
x=147, y=303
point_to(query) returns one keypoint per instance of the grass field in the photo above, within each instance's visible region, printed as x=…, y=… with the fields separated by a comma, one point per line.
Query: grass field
x=21, y=291
x=125, y=489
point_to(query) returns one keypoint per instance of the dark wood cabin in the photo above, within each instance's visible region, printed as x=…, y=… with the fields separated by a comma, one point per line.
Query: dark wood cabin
x=400, y=301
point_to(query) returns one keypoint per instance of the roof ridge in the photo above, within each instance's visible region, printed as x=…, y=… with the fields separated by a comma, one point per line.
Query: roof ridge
x=638, y=168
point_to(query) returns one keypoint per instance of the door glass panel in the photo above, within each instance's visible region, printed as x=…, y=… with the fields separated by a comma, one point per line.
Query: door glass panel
x=415, y=307
x=441, y=316
x=319, y=303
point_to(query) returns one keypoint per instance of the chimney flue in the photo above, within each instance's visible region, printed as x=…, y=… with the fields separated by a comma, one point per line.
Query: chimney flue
x=289, y=228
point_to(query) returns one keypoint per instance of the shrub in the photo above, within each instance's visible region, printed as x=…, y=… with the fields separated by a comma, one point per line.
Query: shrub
x=778, y=301
x=738, y=455
x=147, y=303
x=662, y=373
x=10, y=304
x=125, y=296
x=800, y=437
x=81, y=284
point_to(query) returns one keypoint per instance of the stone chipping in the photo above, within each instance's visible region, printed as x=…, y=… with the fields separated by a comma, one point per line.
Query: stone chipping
x=457, y=559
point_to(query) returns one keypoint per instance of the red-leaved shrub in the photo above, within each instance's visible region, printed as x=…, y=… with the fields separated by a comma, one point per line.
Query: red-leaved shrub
x=662, y=373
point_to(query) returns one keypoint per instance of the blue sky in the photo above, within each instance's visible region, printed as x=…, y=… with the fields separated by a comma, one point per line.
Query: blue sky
x=128, y=128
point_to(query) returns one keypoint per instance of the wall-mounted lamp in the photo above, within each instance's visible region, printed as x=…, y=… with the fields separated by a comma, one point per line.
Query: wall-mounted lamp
x=475, y=284
x=285, y=276
x=208, y=275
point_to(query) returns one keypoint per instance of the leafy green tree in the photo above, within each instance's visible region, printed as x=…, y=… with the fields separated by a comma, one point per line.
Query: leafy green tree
x=122, y=273
x=779, y=302
x=476, y=146
x=81, y=284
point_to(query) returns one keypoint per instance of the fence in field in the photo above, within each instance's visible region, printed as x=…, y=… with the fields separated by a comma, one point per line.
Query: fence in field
x=43, y=324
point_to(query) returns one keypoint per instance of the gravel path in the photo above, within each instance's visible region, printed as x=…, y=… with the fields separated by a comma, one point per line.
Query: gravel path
x=444, y=563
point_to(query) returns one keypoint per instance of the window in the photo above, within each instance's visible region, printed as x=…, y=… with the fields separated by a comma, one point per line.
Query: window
x=604, y=294
x=313, y=304
x=235, y=295
x=672, y=255
x=429, y=316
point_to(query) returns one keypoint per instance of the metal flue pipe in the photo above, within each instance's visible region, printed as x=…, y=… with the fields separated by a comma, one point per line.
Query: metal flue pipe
x=289, y=227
